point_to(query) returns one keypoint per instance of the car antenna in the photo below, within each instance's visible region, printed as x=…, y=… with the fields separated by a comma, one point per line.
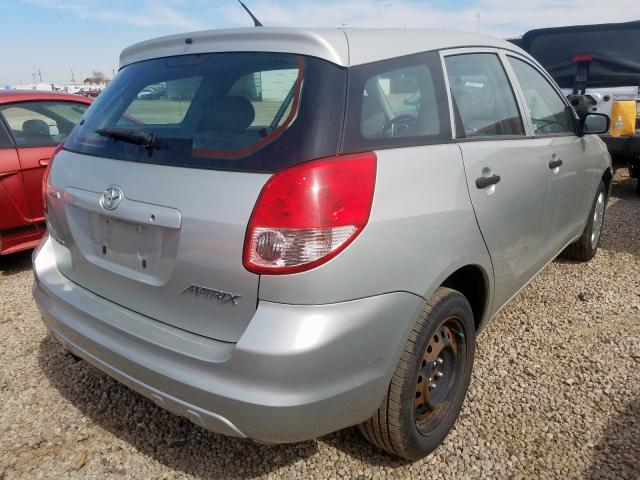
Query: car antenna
x=256, y=22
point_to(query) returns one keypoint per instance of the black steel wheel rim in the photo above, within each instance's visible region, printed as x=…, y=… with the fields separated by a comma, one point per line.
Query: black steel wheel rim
x=440, y=374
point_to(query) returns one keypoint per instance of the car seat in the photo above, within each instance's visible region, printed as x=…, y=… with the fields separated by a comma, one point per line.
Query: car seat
x=36, y=132
x=225, y=123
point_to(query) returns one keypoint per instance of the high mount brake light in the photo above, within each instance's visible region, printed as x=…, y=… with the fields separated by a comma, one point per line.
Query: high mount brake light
x=582, y=58
x=45, y=176
x=307, y=214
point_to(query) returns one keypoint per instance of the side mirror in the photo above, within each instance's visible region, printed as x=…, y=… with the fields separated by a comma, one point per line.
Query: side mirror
x=595, y=123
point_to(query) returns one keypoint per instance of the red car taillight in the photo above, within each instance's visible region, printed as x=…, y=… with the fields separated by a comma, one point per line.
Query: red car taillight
x=307, y=214
x=45, y=176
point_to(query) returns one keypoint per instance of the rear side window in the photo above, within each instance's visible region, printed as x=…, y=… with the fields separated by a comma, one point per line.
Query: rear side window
x=41, y=123
x=549, y=114
x=258, y=112
x=395, y=103
x=484, y=100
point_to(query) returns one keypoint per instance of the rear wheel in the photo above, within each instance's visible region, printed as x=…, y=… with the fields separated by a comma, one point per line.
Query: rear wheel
x=430, y=381
x=585, y=248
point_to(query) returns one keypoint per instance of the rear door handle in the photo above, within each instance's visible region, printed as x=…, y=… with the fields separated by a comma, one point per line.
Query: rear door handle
x=555, y=163
x=484, y=182
x=44, y=162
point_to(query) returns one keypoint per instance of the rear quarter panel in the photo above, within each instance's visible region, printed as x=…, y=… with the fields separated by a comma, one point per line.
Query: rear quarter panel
x=422, y=228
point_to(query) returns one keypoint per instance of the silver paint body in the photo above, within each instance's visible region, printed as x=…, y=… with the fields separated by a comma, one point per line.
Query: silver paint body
x=305, y=354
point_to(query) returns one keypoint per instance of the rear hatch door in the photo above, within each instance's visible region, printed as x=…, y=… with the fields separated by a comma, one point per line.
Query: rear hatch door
x=150, y=200
x=173, y=257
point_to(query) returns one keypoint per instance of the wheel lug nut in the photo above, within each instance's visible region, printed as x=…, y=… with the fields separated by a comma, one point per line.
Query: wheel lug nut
x=440, y=374
x=432, y=385
x=439, y=361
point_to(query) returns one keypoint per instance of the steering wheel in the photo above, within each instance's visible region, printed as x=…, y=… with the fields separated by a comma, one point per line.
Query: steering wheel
x=395, y=125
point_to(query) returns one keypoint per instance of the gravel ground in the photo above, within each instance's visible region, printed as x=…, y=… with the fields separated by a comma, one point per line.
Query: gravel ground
x=555, y=393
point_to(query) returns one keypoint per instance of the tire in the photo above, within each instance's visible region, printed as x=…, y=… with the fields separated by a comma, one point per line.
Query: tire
x=634, y=167
x=634, y=172
x=585, y=248
x=400, y=426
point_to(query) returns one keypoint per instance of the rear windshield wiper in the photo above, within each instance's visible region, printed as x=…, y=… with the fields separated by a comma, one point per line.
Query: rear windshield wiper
x=137, y=137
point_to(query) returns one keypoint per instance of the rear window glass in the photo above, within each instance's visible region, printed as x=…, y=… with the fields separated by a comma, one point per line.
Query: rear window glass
x=238, y=111
x=398, y=102
x=165, y=103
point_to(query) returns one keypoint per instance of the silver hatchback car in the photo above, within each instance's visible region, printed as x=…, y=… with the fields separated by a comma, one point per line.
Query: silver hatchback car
x=304, y=230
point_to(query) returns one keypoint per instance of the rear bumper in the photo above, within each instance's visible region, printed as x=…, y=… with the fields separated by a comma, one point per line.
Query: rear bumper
x=297, y=372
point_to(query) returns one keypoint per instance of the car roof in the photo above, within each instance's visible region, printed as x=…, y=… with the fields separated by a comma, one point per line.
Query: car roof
x=342, y=46
x=10, y=96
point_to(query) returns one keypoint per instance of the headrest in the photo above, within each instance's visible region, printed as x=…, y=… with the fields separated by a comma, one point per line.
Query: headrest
x=36, y=127
x=232, y=114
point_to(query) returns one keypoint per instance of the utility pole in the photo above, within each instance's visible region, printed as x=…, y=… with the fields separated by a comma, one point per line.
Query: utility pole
x=40, y=75
x=73, y=79
x=478, y=20
x=113, y=72
x=33, y=75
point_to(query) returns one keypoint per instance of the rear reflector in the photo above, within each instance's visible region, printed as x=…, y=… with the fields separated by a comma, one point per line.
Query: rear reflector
x=306, y=214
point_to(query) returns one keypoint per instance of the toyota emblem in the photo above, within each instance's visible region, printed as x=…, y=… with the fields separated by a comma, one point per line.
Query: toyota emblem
x=111, y=198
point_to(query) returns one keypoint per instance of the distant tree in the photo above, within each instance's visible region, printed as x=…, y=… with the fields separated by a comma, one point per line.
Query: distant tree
x=97, y=77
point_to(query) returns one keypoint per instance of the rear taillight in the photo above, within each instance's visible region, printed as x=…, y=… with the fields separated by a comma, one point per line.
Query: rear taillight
x=45, y=176
x=306, y=214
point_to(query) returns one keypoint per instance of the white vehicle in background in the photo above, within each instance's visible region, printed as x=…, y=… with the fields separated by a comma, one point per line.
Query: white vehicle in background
x=153, y=92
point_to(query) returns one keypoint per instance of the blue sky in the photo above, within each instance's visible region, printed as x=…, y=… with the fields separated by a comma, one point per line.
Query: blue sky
x=57, y=36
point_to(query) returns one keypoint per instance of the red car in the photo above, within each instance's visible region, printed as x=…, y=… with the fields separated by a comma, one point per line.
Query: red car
x=32, y=124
